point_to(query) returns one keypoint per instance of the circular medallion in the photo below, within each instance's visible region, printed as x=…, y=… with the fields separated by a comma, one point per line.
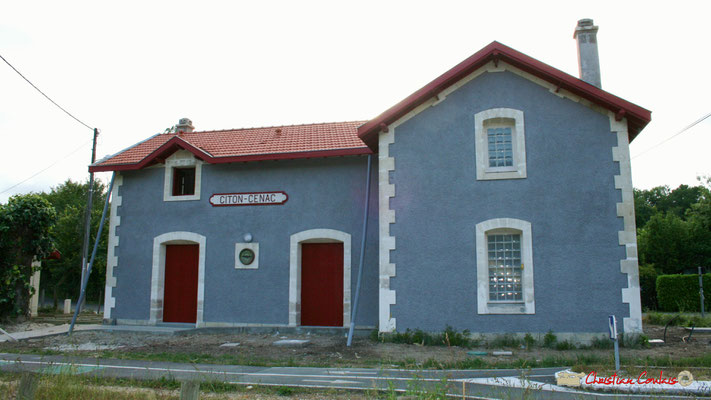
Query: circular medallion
x=246, y=256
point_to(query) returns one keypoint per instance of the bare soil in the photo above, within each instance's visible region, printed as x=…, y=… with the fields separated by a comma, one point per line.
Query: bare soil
x=329, y=350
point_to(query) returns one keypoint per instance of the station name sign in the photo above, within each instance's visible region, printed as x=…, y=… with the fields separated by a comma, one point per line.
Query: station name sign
x=248, y=199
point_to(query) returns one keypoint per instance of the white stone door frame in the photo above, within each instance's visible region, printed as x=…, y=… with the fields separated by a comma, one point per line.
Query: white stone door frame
x=317, y=236
x=158, y=272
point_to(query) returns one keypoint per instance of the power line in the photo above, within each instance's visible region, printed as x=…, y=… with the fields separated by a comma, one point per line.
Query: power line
x=53, y=102
x=677, y=134
x=50, y=166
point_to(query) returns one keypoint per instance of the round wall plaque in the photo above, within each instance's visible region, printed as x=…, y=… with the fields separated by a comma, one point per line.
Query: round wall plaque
x=246, y=256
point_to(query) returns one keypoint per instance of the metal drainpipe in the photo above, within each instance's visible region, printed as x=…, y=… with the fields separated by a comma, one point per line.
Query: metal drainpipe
x=362, y=254
x=93, y=255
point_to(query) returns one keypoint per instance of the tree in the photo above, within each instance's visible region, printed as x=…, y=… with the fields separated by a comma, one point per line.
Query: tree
x=25, y=223
x=63, y=277
x=664, y=242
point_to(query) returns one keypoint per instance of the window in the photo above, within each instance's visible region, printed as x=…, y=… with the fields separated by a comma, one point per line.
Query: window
x=500, y=144
x=183, y=175
x=504, y=267
x=183, y=181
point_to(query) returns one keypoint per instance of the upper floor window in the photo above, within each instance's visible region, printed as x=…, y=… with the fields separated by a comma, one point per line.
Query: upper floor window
x=500, y=144
x=504, y=267
x=183, y=175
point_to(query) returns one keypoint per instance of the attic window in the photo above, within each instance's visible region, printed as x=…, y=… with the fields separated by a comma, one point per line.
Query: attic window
x=500, y=141
x=183, y=181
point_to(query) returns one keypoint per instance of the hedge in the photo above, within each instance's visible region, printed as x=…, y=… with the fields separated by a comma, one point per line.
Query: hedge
x=648, y=286
x=680, y=293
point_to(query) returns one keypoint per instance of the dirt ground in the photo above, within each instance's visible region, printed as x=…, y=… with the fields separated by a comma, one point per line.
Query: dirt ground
x=325, y=350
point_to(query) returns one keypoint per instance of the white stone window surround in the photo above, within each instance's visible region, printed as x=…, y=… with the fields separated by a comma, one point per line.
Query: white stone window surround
x=504, y=225
x=317, y=236
x=252, y=246
x=500, y=117
x=158, y=272
x=181, y=159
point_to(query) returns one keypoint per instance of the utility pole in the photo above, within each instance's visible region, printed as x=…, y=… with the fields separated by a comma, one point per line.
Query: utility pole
x=87, y=219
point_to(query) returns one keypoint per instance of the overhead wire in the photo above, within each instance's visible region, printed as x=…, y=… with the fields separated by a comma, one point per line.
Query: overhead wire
x=61, y=108
x=43, y=94
x=50, y=166
x=698, y=121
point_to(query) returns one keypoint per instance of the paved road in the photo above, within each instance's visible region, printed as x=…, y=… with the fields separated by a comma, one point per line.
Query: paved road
x=472, y=383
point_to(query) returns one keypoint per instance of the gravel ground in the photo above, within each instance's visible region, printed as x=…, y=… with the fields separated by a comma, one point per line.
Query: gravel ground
x=322, y=349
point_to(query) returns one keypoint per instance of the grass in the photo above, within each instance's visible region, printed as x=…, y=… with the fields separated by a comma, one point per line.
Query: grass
x=685, y=319
x=70, y=387
x=449, y=337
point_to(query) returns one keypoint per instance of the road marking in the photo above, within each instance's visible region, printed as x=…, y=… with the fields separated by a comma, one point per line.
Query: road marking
x=198, y=371
x=353, y=372
x=336, y=381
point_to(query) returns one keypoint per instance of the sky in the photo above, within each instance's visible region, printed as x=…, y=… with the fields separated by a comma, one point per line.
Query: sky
x=132, y=69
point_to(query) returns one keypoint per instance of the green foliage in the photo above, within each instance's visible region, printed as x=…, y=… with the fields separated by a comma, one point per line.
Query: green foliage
x=601, y=342
x=25, y=223
x=648, y=286
x=674, y=229
x=677, y=319
x=564, y=345
x=449, y=337
x=529, y=341
x=505, y=340
x=62, y=278
x=681, y=292
x=550, y=339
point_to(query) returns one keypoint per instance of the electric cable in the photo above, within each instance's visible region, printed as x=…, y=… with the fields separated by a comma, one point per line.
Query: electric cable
x=50, y=166
x=43, y=94
x=677, y=134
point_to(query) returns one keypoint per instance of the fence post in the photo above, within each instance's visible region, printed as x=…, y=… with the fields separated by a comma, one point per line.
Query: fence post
x=701, y=290
x=189, y=390
x=28, y=386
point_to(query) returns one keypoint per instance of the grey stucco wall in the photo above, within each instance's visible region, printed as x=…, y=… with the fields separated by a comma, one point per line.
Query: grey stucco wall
x=568, y=197
x=323, y=193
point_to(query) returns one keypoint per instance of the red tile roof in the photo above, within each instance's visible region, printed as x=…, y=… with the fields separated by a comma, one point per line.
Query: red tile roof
x=637, y=117
x=358, y=137
x=252, y=144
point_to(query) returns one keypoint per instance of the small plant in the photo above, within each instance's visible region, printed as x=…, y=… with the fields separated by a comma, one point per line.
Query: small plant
x=506, y=340
x=600, y=342
x=564, y=345
x=549, y=339
x=284, y=391
x=529, y=341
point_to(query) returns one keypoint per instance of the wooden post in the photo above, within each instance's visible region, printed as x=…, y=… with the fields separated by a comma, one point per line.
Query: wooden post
x=189, y=390
x=28, y=386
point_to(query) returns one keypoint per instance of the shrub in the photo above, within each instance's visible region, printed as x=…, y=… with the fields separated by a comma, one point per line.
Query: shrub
x=681, y=292
x=505, y=340
x=648, y=286
x=564, y=345
x=549, y=339
x=529, y=341
x=449, y=337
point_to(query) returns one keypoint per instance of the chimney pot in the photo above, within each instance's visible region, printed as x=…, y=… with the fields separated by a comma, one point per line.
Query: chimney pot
x=588, y=58
x=185, y=125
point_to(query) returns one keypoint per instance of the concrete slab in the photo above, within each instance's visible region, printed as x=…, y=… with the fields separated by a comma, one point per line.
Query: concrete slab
x=229, y=345
x=50, y=331
x=291, y=343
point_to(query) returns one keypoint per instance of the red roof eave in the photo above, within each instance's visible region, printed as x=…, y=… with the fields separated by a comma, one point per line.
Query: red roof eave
x=637, y=116
x=230, y=159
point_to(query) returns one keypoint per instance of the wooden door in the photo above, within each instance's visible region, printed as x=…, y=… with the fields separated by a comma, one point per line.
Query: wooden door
x=322, y=284
x=181, y=283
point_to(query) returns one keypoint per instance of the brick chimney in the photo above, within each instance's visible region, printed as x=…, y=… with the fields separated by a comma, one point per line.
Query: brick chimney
x=588, y=59
x=184, y=125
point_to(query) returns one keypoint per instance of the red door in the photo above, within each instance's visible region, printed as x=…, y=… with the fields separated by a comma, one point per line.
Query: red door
x=322, y=284
x=181, y=283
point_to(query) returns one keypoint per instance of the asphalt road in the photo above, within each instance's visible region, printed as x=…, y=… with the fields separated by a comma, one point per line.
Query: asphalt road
x=470, y=384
